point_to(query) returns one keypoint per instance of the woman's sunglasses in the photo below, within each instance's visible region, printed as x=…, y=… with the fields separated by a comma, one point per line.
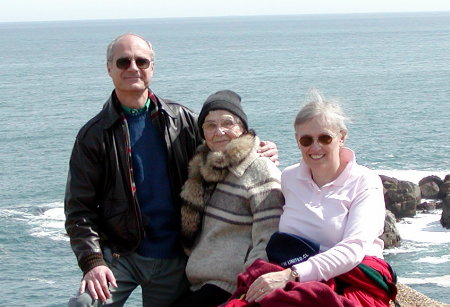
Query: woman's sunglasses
x=125, y=63
x=323, y=139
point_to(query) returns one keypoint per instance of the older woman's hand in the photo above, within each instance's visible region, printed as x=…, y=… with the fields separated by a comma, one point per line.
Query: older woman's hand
x=269, y=149
x=266, y=283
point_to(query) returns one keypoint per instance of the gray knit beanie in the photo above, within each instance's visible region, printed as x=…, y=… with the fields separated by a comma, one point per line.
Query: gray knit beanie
x=222, y=100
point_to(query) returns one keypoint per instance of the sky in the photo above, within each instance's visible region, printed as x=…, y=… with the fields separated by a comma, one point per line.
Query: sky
x=50, y=10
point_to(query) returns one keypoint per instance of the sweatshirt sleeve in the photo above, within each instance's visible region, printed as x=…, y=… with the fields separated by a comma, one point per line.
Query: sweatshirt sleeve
x=364, y=225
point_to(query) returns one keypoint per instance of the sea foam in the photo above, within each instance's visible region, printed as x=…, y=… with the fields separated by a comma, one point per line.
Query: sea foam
x=441, y=281
x=49, y=223
x=434, y=260
x=412, y=175
x=424, y=228
x=45, y=222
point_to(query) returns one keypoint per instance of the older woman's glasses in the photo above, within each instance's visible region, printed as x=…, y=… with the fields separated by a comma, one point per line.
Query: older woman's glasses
x=125, y=63
x=308, y=140
x=224, y=125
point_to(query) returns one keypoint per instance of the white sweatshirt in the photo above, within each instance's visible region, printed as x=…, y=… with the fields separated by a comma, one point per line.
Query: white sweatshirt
x=345, y=216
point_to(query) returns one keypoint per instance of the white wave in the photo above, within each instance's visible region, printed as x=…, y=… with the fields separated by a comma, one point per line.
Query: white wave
x=12, y=213
x=45, y=281
x=55, y=213
x=441, y=281
x=424, y=228
x=434, y=260
x=404, y=249
x=412, y=175
x=48, y=222
x=415, y=273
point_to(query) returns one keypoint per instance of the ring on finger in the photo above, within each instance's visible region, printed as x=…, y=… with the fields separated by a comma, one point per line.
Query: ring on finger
x=261, y=290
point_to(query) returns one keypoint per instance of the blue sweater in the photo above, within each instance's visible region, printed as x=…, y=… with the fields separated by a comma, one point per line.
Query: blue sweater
x=150, y=170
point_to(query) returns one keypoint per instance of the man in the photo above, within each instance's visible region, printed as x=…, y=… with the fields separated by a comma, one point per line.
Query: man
x=127, y=168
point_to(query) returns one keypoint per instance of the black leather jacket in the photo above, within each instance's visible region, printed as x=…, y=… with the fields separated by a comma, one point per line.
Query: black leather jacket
x=99, y=204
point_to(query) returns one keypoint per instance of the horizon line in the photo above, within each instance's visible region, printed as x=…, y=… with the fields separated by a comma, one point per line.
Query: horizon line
x=224, y=16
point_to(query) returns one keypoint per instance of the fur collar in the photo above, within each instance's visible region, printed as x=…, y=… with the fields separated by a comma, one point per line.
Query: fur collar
x=206, y=169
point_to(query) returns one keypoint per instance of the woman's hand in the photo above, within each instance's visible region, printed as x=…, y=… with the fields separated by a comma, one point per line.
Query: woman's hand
x=266, y=283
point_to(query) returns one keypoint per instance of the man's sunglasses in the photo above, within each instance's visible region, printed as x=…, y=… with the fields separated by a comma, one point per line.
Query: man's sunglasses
x=323, y=139
x=125, y=63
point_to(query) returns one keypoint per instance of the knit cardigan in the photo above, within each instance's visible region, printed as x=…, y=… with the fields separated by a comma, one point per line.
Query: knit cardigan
x=232, y=202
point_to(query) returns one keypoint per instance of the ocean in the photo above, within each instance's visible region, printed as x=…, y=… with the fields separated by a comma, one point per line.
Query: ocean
x=390, y=71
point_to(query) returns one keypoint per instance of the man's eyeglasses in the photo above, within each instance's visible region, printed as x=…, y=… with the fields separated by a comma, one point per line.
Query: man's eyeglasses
x=224, y=125
x=307, y=140
x=125, y=63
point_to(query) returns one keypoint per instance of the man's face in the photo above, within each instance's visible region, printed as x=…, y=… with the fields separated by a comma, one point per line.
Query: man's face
x=134, y=78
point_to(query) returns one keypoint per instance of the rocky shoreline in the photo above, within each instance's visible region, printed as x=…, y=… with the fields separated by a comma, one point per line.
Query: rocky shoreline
x=408, y=297
x=404, y=199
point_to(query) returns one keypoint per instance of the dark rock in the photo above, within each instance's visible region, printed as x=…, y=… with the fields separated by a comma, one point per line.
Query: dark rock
x=445, y=218
x=388, y=182
x=389, y=179
x=429, y=190
x=430, y=186
x=390, y=236
x=444, y=188
x=428, y=206
x=401, y=197
x=431, y=178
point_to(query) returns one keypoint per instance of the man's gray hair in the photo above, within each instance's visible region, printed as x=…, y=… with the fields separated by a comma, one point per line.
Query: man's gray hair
x=316, y=105
x=110, y=49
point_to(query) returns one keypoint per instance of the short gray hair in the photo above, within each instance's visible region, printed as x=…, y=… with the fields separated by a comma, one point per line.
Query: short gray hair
x=110, y=49
x=317, y=105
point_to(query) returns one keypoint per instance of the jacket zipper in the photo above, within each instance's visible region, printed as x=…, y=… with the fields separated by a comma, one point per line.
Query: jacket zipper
x=132, y=186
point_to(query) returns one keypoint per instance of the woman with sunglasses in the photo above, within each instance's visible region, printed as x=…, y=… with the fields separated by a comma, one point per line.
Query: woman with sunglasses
x=232, y=202
x=338, y=204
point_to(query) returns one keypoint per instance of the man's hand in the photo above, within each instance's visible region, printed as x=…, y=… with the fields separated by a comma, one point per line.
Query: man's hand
x=269, y=149
x=97, y=281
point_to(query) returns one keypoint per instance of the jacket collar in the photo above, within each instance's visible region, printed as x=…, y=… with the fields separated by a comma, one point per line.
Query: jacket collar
x=112, y=111
x=236, y=158
x=163, y=106
x=212, y=167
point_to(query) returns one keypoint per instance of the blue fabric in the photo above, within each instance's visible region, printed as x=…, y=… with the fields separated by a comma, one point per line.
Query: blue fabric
x=288, y=249
x=150, y=170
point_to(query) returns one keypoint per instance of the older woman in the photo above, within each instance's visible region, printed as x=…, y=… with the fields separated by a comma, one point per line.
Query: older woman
x=232, y=202
x=338, y=204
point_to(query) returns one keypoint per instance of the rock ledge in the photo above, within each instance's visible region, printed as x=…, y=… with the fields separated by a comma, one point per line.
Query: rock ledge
x=408, y=297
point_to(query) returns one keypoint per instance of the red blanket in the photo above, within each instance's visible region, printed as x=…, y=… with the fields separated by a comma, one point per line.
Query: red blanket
x=373, y=285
